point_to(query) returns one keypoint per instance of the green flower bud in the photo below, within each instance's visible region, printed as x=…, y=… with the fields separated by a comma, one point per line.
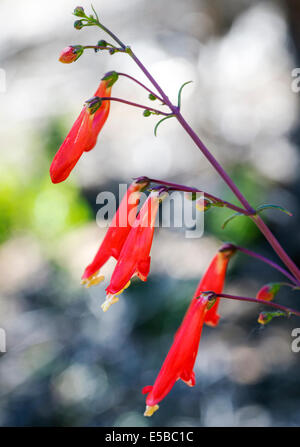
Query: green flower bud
x=78, y=24
x=79, y=12
x=147, y=113
x=152, y=97
x=102, y=43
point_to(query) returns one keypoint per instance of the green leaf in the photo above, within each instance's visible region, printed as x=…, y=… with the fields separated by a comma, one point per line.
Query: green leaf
x=97, y=18
x=268, y=206
x=179, y=93
x=230, y=218
x=159, y=122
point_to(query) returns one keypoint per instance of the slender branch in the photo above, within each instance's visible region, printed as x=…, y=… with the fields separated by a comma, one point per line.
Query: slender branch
x=124, y=101
x=111, y=34
x=255, y=300
x=177, y=187
x=142, y=85
x=276, y=246
x=267, y=261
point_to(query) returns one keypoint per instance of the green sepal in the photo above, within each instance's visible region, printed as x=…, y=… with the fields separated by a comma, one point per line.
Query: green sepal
x=269, y=206
x=111, y=77
x=93, y=104
x=179, y=93
x=159, y=122
x=230, y=218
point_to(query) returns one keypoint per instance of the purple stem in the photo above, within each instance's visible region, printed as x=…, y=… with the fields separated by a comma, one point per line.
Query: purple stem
x=184, y=188
x=124, y=101
x=267, y=261
x=255, y=300
x=142, y=85
x=276, y=246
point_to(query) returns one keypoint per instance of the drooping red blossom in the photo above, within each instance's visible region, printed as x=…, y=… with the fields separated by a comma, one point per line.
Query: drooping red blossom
x=71, y=54
x=179, y=363
x=134, y=259
x=214, y=279
x=116, y=234
x=83, y=135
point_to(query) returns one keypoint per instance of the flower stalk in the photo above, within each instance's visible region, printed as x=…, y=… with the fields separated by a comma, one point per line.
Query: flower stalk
x=134, y=104
x=286, y=309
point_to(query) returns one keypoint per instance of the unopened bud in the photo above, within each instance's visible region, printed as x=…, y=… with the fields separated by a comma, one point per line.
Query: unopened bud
x=79, y=12
x=266, y=317
x=268, y=291
x=152, y=97
x=78, y=24
x=146, y=113
x=102, y=43
x=71, y=54
x=93, y=104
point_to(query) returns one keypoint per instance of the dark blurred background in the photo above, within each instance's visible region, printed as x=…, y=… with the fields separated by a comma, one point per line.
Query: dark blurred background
x=69, y=364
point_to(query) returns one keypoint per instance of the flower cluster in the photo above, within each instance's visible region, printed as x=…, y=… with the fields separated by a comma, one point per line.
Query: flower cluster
x=129, y=239
x=130, y=235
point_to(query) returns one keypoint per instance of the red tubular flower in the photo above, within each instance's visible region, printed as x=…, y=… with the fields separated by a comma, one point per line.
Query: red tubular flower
x=179, y=363
x=214, y=279
x=116, y=234
x=83, y=135
x=134, y=259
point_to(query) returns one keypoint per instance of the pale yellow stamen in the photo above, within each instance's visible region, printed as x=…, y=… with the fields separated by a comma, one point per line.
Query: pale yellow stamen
x=109, y=300
x=112, y=298
x=92, y=280
x=151, y=409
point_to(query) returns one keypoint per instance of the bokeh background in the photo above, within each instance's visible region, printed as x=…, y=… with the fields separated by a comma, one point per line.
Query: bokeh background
x=67, y=363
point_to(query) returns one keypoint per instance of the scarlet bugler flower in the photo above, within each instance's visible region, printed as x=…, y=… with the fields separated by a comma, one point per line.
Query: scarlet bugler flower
x=134, y=259
x=71, y=54
x=116, y=234
x=83, y=135
x=179, y=363
x=214, y=280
